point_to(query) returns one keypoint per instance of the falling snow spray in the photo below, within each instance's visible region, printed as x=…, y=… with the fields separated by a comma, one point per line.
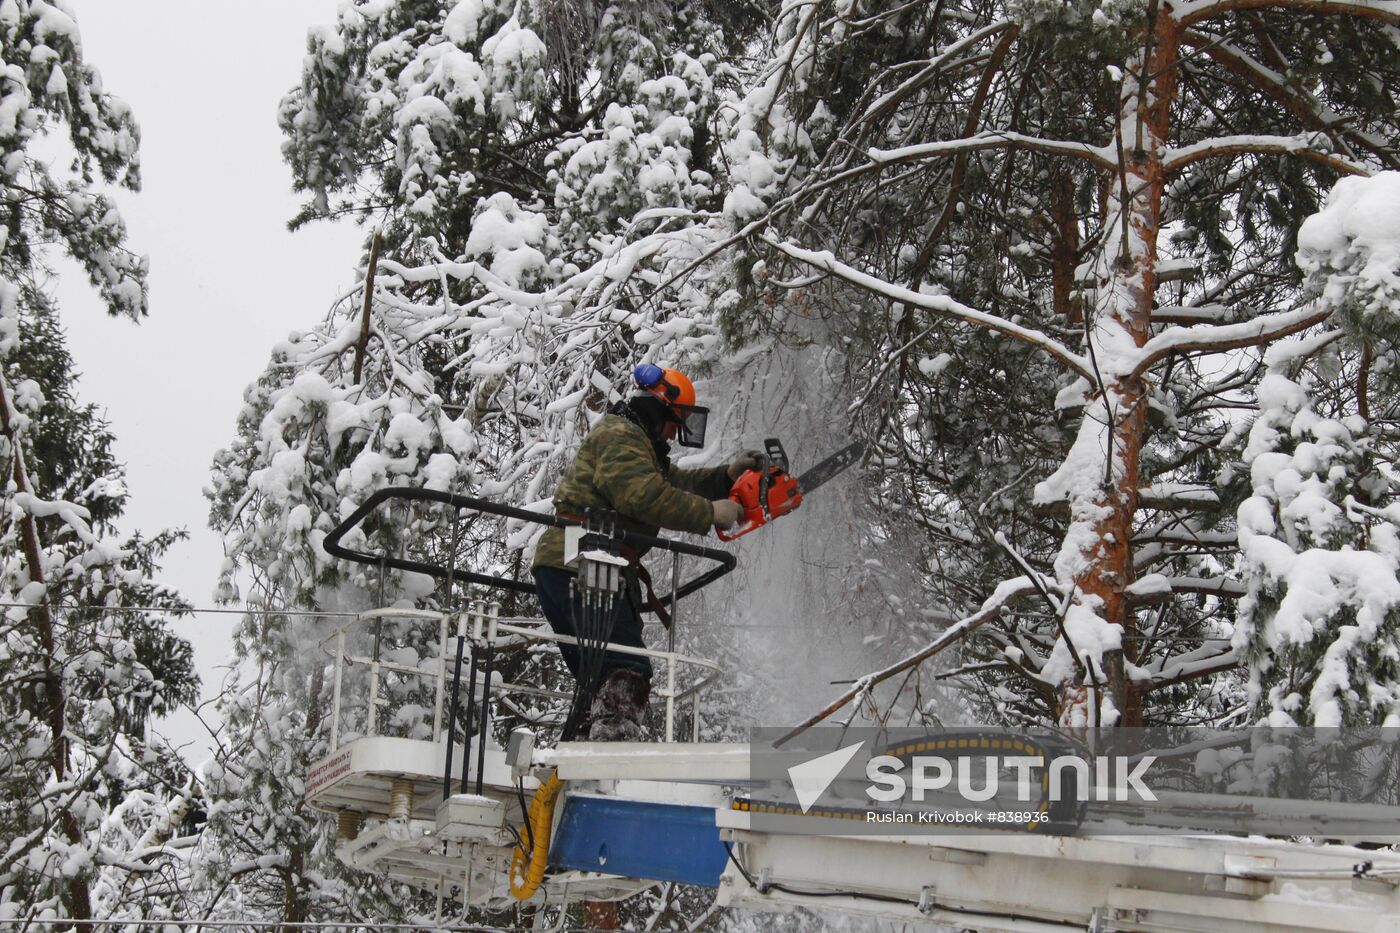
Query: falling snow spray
x=801, y=620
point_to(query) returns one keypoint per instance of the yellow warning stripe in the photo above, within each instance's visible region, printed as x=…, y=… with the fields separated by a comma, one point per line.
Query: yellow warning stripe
x=984, y=743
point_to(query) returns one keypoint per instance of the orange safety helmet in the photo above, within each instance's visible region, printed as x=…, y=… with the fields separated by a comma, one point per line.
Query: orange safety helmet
x=674, y=389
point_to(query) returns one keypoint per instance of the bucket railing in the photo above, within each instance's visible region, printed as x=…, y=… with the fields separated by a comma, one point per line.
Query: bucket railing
x=479, y=631
x=481, y=628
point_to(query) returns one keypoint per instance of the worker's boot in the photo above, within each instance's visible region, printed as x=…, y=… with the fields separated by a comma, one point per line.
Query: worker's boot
x=618, y=707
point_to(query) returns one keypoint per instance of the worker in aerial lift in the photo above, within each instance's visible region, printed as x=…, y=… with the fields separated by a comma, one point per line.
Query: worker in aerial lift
x=624, y=466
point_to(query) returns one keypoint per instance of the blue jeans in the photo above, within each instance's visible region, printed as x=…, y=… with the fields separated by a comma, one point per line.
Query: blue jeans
x=552, y=587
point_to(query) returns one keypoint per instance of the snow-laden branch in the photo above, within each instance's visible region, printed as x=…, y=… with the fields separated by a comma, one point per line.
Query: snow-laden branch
x=1177, y=496
x=1193, y=666
x=261, y=863
x=1260, y=330
x=940, y=305
x=1188, y=315
x=1165, y=541
x=1240, y=62
x=1303, y=145
x=1185, y=535
x=1195, y=11
x=1208, y=586
x=1101, y=156
x=1155, y=588
x=991, y=609
x=76, y=517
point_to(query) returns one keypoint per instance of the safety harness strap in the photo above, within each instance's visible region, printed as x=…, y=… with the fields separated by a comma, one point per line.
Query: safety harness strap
x=644, y=575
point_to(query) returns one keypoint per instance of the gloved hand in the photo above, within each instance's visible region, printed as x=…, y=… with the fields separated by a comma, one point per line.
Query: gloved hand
x=726, y=512
x=745, y=460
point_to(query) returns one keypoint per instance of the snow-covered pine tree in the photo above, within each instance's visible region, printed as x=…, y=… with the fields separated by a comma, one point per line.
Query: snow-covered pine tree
x=1043, y=324
x=536, y=170
x=85, y=669
x=1058, y=350
x=1320, y=552
x=418, y=113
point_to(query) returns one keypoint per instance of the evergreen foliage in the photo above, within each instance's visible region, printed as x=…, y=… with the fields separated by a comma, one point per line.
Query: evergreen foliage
x=1049, y=260
x=83, y=777
x=1003, y=212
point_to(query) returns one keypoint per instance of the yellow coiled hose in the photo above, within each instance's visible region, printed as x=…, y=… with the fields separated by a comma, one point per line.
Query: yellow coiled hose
x=527, y=871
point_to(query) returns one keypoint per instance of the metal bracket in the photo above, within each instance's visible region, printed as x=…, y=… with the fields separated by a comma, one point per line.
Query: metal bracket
x=1234, y=886
x=957, y=856
x=765, y=881
x=519, y=750
x=1372, y=885
x=572, y=536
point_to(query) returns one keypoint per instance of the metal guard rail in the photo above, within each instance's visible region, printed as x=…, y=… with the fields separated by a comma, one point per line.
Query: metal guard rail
x=724, y=561
x=480, y=624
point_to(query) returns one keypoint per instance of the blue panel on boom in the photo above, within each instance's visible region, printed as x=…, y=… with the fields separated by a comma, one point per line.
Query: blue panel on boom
x=636, y=839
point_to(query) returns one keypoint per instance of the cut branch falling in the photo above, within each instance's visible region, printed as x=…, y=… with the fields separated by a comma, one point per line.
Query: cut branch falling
x=363, y=343
x=991, y=609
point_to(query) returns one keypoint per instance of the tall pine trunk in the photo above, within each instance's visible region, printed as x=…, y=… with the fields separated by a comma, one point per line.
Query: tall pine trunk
x=77, y=898
x=1097, y=557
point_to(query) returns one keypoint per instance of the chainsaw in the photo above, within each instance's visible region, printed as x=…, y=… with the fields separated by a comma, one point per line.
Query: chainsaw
x=771, y=491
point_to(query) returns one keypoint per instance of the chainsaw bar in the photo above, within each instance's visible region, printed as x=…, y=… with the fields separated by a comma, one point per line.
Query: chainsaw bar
x=831, y=467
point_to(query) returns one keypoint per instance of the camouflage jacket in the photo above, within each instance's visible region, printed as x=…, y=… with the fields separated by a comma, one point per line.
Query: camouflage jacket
x=616, y=468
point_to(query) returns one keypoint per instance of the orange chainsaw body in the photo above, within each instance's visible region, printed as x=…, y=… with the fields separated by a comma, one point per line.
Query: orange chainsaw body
x=763, y=494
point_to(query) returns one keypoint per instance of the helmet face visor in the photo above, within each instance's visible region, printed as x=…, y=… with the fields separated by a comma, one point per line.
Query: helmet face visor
x=692, y=420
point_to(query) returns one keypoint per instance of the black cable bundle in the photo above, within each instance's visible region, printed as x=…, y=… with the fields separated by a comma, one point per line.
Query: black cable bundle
x=593, y=595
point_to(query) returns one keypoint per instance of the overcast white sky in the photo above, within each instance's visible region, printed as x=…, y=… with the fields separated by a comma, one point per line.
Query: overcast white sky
x=227, y=279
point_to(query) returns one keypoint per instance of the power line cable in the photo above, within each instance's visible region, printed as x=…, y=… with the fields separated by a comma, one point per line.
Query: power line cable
x=309, y=613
